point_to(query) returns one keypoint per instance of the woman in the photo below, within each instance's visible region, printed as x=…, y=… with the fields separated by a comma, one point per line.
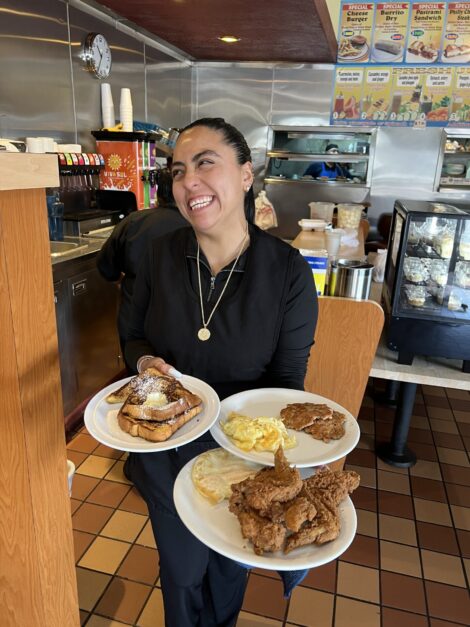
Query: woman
x=232, y=305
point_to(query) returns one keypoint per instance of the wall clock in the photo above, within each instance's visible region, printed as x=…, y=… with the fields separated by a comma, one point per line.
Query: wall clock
x=97, y=55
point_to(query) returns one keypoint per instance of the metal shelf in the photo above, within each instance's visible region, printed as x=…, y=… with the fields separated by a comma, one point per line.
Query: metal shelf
x=311, y=181
x=352, y=157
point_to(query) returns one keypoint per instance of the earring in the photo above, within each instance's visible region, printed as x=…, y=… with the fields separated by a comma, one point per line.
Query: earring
x=247, y=189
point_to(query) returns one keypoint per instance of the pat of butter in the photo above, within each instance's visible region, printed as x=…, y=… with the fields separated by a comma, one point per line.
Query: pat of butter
x=156, y=399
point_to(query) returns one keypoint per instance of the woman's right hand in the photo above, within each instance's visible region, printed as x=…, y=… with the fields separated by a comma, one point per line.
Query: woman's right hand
x=160, y=364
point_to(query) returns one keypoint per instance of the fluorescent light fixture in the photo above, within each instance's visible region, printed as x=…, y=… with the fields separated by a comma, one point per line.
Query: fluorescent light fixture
x=229, y=39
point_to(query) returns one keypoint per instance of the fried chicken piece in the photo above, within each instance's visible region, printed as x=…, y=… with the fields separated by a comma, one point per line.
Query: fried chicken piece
x=299, y=511
x=264, y=534
x=326, y=430
x=300, y=415
x=280, y=484
x=323, y=528
x=331, y=487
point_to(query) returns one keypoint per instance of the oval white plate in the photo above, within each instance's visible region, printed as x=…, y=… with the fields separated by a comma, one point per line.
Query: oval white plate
x=269, y=402
x=219, y=529
x=101, y=420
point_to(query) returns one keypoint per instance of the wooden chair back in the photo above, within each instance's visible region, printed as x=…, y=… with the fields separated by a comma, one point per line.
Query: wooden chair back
x=346, y=338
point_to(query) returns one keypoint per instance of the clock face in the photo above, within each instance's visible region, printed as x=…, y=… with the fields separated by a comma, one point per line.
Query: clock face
x=97, y=55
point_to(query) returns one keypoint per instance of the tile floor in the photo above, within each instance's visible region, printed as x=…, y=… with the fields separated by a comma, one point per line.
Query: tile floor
x=409, y=564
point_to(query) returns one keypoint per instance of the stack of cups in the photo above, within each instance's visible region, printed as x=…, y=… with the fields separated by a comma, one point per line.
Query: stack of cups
x=107, y=106
x=126, y=110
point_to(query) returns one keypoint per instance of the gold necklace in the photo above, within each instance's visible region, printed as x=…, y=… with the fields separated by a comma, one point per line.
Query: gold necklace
x=204, y=333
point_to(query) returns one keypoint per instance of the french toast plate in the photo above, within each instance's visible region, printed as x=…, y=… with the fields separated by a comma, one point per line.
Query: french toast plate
x=219, y=529
x=101, y=419
x=308, y=452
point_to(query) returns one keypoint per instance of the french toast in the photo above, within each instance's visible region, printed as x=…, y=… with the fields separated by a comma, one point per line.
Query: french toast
x=155, y=405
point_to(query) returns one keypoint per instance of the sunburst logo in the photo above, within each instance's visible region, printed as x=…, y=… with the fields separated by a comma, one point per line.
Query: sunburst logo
x=114, y=162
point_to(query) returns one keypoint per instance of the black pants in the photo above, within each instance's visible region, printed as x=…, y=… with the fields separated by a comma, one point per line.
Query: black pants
x=200, y=587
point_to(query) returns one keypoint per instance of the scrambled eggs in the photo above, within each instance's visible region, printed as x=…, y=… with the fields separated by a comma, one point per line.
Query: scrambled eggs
x=261, y=434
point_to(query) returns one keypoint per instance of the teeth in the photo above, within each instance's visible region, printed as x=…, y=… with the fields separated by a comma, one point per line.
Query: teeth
x=200, y=203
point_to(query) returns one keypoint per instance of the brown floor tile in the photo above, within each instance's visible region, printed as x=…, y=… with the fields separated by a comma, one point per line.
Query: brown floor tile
x=464, y=542
x=105, y=451
x=83, y=617
x=108, y=493
x=448, y=602
x=91, y=586
x=381, y=465
x=425, y=451
x=368, y=475
x=433, y=390
x=365, y=498
x=264, y=596
x=350, y=613
x=367, y=426
x=124, y=526
x=384, y=414
x=437, y=538
x=397, y=529
x=251, y=620
x=153, y=614
x=104, y=555
x=461, y=517
x=362, y=457
x=419, y=422
x=358, y=582
x=443, y=568
x=393, y=482
x=302, y=602
x=464, y=428
x=141, y=564
x=458, y=495
x=428, y=489
x=436, y=622
x=419, y=410
x=123, y=600
x=400, y=558
x=443, y=426
x=441, y=413
x=392, y=618
x=74, y=505
x=146, y=537
x=395, y=504
x=466, y=442
x=459, y=404
x=82, y=486
x=91, y=518
x=383, y=431
x=76, y=457
x=81, y=541
x=402, y=592
x=451, y=456
x=269, y=573
x=134, y=503
x=428, y=470
x=321, y=578
x=95, y=466
x=449, y=440
x=364, y=551
x=82, y=443
x=420, y=435
x=456, y=474
x=432, y=512
x=462, y=417
x=366, y=413
x=366, y=523
x=462, y=394
x=436, y=401
x=101, y=621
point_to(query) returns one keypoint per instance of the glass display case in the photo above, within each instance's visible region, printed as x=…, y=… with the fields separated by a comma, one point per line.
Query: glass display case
x=305, y=164
x=453, y=168
x=426, y=290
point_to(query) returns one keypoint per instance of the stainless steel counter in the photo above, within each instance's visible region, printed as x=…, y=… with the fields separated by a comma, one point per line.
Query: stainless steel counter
x=74, y=248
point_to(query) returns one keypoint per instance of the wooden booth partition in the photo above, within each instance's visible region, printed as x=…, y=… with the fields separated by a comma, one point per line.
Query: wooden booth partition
x=37, y=572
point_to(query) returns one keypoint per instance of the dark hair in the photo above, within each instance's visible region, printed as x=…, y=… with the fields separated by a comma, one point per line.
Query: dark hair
x=329, y=146
x=234, y=138
x=165, y=187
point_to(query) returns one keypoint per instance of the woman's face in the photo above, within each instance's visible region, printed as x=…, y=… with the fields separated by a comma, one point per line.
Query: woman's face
x=208, y=183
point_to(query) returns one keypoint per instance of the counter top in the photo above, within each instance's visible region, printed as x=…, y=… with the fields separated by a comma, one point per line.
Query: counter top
x=22, y=170
x=91, y=246
x=315, y=240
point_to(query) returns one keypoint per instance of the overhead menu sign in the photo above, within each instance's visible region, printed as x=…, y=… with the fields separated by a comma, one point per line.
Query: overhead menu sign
x=357, y=20
x=391, y=27
x=456, y=41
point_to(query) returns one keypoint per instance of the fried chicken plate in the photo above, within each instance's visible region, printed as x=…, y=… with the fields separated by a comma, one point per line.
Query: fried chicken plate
x=279, y=511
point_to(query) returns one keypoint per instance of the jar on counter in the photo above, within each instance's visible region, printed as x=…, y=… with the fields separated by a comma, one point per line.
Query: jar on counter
x=349, y=215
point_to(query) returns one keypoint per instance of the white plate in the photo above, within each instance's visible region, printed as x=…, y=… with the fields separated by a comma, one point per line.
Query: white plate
x=101, y=420
x=382, y=56
x=219, y=529
x=417, y=58
x=310, y=224
x=463, y=58
x=268, y=402
x=360, y=53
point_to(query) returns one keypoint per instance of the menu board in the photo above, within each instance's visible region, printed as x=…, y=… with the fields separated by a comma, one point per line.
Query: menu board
x=425, y=32
x=406, y=96
x=436, y=96
x=375, y=102
x=456, y=41
x=357, y=19
x=389, y=39
x=460, y=108
x=347, y=94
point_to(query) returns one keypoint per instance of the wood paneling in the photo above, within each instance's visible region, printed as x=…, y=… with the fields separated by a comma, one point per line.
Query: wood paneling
x=26, y=171
x=270, y=30
x=37, y=574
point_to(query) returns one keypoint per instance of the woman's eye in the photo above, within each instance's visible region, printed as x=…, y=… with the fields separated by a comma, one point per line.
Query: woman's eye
x=176, y=174
x=205, y=162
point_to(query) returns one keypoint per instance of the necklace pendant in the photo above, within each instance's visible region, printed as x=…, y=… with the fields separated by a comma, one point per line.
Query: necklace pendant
x=203, y=334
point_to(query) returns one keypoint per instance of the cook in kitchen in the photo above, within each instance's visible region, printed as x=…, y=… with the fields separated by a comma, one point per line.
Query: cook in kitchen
x=328, y=169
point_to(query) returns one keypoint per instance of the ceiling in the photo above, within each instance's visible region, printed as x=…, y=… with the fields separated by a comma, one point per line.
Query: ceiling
x=269, y=30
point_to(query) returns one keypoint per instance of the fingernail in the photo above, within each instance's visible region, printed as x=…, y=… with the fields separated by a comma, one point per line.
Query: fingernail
x=175, y=373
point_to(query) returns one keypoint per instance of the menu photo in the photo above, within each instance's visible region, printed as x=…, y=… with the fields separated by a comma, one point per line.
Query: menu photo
x=347, y=94
x=389, y=35
x=357, y=19
x=460, y=108
x=375, y=102
x=425, y=32
x=456, y=41
x=437, y=95
x=405, y=96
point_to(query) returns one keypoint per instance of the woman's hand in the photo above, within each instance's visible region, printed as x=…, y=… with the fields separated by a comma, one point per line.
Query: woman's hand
x=148, y=361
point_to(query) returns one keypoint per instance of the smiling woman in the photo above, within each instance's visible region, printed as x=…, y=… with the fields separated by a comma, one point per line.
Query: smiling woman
x=230, y=304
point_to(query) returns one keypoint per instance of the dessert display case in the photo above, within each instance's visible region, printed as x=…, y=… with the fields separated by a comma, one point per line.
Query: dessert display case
x=426, y=289
x=453, y=168
x=305, y=164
